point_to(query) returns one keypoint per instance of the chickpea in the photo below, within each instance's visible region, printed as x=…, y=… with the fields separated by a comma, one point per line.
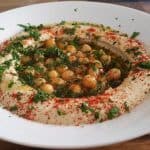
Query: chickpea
x=49, y=61
x=25, y=59
x=58, y=81
x=80, y=54
x=39, y=81
x=98, y=64
x=61, y=45
x=30, y=71
x=48, y=88
x=71, y=48
x=75, y=88
x=38, y=57
x=68, y=75
x=105, y=59
x=72, y=58
x=50, y=43
x=61, y=69
x=41, y=65
x=89, y=81
x=113, y=74
x=53, y=74
x=93, y=72
x=84, y=60
x=86, y=48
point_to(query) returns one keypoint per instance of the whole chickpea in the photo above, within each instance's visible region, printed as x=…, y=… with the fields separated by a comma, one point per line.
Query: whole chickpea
x=50, y=43
x=25, y=59
x=71, y=48
x=48, y=88
x=61, y=69
x=53, y=74
x=30, y=71
x=80, y=54
x=39, y=81
x=41, y=65
x=68, y=75
x=61, y=44
x=86, y=48
x=105, y=59
x=72, y=58
x=58, y=81
x=89, y=81
x=75, y=88
x=84, y=60
x=93, y=72
x=49, y=61
x=113, y=74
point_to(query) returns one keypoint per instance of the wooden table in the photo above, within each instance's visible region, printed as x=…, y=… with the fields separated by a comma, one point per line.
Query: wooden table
x=142, y=143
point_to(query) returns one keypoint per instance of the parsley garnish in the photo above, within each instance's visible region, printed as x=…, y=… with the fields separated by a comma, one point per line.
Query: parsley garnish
x=98, y=53
x=76, y=9
x=3, y=67
x=145, y=65
x=32, y=30
x=85, y=108
x=27, y=79
x=13, y=108
x=60, y=112
x=134, y=35
x=56, y=52
x=96, y=115
x=2, y=29
x=126, y=106
x=70, y=31
x=113, y=112
x=40, y=96
x=75, y=42
x=11, y=83
x=62, y=22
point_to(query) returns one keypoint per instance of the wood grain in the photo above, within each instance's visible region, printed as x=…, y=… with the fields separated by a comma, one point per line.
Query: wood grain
x=142, y=143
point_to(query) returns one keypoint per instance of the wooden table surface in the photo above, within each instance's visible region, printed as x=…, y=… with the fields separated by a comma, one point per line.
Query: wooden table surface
x=142, y=143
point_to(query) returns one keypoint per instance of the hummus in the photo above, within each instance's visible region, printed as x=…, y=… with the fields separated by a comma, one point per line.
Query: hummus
x=72, y=73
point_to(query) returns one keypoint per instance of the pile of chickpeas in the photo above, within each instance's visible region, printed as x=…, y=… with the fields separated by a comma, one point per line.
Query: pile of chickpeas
x=78, y=79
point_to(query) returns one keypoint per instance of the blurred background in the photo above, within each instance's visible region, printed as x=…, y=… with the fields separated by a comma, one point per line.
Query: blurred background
x=138, y=4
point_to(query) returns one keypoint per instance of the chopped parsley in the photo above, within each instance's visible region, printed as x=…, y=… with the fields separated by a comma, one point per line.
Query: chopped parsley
x=76, y=9
x=62, y=22
x=32, y=30
x=135, y=34
x=3, y=67
x=60, y=112
x=40, y=96
x=129, y=50
x=96, y=115
x=98, y=53
x=126, y=106
x=2, y=29
x=113, y=112
x=145, y=65
x=75, y=42
x=11, y=83
x=85, y=108
x=13, y=108
x=56, y=52
x=70, y=31
x=27, y=79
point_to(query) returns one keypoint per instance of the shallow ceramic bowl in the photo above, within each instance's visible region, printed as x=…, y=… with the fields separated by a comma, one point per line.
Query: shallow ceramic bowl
x=128, y=126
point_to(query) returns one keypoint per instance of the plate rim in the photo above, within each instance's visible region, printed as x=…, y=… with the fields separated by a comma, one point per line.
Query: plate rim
x=68, y=147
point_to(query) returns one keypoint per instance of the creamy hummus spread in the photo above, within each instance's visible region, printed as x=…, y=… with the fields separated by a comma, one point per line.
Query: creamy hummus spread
x=72, y=73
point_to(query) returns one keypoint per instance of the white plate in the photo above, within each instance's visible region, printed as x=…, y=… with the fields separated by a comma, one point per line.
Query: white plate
x=128, y=126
